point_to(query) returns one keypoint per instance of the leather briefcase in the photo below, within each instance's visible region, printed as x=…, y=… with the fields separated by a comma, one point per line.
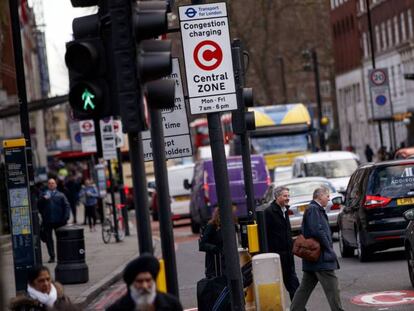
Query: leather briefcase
x=308, y=249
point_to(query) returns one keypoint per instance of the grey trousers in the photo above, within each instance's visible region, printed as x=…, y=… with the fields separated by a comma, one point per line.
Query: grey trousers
x=329, y=284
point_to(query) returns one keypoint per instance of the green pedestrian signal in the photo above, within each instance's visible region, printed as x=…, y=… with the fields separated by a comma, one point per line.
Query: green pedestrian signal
x=87, y=100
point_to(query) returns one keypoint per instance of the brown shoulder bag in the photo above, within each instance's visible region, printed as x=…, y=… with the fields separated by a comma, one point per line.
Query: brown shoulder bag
x=308, y=249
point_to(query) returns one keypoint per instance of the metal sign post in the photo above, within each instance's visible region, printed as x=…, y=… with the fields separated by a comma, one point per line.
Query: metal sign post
x=18, y=194
x=175, y=144
x=211, y=89
x=381, y=102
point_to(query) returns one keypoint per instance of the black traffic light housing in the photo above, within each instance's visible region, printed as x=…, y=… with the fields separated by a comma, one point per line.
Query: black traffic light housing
x=86, y=59
x=242, y=120
x=154, y=56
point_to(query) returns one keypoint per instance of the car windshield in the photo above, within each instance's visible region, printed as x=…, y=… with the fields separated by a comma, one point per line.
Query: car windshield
x=279, y=144
x=392, y=181
x=306, y=188
x=332, y=169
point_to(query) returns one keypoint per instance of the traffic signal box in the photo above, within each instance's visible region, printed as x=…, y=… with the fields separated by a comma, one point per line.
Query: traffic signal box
x=88, y=71
x=112, y=64
x=242, y=120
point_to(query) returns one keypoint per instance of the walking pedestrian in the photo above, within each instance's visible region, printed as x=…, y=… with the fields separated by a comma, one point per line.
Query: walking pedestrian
x=42, y=294
x=211, y=242
x=90, y=193
x=55, y=211
x=369, y=153
x=279, y=236
x=73, y=185
x=315, y=225
x=142, y=294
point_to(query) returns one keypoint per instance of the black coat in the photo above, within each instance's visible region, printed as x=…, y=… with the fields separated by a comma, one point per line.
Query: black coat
x=279, y=235
x=211, y=242
x=163, y=302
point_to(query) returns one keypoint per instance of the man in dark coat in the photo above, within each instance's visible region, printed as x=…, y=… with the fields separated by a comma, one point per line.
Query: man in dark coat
x=279, y=237
x=140, y=277
x=315, y=225
x=369, y=153
x=55, y=210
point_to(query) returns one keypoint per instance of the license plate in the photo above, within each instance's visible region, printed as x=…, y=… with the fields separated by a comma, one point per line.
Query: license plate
x=405, y=201
x=182, y=198
x=302, y=208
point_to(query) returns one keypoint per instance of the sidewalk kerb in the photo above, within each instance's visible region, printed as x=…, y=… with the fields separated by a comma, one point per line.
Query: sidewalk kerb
x=92, y=292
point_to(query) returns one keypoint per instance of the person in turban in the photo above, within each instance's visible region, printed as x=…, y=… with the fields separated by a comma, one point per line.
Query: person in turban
x=140, y=278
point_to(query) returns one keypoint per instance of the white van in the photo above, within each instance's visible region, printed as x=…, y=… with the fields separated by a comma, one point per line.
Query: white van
x=180, y=197
x=337, y=166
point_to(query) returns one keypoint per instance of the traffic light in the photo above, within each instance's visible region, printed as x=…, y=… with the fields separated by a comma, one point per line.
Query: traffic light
x=154, y=56
x=85, y=57
x=242, y=120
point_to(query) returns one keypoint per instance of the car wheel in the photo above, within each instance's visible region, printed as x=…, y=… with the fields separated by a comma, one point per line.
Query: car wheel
x=362, y=251
x=410, y=261
x=345, y=250
x=195, y=227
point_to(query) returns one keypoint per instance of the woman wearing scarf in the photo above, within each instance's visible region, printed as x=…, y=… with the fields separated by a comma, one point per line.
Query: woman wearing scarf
x=42, y=294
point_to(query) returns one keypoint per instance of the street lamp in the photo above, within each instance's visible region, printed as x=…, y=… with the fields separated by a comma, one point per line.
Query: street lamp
x=311, y=56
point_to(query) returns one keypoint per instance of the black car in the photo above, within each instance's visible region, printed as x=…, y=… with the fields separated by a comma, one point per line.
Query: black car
x=371, y=218
x=409, y=243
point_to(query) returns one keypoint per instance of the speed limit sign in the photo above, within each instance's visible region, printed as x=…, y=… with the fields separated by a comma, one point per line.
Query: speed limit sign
x=378, y=77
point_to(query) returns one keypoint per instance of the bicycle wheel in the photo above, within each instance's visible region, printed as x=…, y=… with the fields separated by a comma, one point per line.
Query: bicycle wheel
x=106, y=231
x=121, y=228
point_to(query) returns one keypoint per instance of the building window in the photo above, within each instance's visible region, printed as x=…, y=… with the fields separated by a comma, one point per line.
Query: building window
x=365, y=44
x=384, y=36
x=393, y=83
x=401, y=80
x=396, y=31
x=403, y=33
x=389, y=29
x=377, y=38
x=410, y=23
x=358, y=93
x=361, y=5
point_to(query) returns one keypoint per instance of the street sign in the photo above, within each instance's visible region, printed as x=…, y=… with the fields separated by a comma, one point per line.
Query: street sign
x=208, y=59
x=87, y=131
x=175, y=124
x=380, y=94
x=108, y=139
x=385, y=299
x=19, y=209
x=75, y=136
x=119, y=135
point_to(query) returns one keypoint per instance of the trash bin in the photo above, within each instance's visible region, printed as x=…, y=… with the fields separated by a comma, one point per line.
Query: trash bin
x=71, y=267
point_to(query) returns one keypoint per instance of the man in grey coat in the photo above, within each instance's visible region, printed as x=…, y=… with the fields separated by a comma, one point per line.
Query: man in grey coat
x=315, y=225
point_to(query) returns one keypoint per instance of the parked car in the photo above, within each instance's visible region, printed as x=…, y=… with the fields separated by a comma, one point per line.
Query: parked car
x=203, y=187
x=301, y=191
x=371, y=218
x=180, y=196
x=409, y=243
x=337, y=166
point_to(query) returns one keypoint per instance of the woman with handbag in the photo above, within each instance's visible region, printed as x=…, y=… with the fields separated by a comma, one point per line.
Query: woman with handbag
x=315, y=225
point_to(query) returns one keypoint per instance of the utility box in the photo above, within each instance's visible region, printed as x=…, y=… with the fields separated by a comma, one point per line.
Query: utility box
x=71, y=267
x=268, y=284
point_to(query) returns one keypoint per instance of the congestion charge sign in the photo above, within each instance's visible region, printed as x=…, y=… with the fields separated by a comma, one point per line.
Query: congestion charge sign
x=208, y=59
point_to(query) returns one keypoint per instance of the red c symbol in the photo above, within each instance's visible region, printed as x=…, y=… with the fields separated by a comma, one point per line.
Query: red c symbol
x=208, y=55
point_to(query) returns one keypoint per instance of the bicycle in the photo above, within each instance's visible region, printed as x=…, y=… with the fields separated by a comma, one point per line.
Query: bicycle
x=108, y=227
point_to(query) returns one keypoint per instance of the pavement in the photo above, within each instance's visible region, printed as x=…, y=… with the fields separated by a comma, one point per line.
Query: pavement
x=105, y=262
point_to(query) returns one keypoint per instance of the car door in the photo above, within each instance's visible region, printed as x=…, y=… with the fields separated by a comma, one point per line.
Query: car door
x=349, y=211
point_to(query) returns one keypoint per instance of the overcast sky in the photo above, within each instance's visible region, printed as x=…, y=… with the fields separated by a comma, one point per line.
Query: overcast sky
x=58, y=16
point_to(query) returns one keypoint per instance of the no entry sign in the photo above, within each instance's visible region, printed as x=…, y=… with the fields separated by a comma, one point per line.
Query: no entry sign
x=208, y=59
x=385, y=299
